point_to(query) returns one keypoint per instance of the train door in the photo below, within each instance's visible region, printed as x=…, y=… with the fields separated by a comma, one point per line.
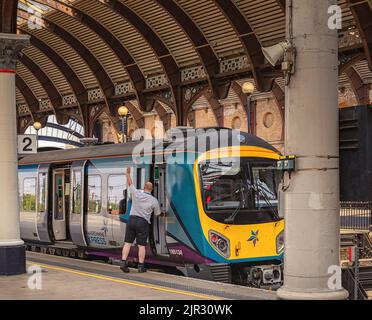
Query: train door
x=77, y=215
x=43, y=219
x=159, y=224
x=59, y=205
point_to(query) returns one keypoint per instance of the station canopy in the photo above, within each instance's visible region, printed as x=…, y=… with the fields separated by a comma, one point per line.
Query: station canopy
x=87, y=57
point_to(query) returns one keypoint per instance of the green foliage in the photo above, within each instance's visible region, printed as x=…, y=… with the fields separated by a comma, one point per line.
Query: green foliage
x=29, y=203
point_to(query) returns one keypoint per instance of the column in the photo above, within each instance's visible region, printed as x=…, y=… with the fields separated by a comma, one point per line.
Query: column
x=12, y=250
x=311, y=203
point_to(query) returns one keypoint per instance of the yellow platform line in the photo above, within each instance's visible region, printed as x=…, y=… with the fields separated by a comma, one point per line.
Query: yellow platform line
x=128, y=282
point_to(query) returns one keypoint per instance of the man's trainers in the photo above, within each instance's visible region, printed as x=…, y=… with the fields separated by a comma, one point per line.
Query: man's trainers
x=124, y=266
x=141, y=268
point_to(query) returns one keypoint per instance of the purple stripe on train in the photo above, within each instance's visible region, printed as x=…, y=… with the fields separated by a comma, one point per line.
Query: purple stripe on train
x=179, y=254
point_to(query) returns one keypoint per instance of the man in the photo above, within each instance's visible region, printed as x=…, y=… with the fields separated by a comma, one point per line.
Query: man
x=143, y=205
x=123, y=204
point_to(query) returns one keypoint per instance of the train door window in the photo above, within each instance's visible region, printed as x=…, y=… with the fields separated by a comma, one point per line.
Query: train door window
x=76, y=192
x=94, y=194
x=140, y=180
x=59, y=199
x=42, y=193
x=117, y=194
x=29, y=195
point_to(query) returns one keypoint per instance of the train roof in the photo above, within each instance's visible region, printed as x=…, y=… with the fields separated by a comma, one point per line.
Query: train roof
x=126, y=149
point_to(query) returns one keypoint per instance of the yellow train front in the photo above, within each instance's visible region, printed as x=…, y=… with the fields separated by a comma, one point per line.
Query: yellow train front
x=223, y=216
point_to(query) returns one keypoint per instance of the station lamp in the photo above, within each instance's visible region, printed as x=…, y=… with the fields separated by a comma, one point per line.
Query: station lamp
x=248, y=89
x=37, y=126
x=123, y=114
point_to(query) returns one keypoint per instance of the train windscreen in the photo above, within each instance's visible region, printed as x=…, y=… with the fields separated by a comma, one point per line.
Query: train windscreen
x=240, y=190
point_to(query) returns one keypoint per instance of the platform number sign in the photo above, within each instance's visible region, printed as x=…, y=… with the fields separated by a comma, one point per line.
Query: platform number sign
x=27, y=144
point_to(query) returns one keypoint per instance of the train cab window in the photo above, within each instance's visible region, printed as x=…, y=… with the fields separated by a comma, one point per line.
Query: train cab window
x=241, y=190
x=94, y=194
x=221, y=185
x=267, y=181
x=42, y=193
x=117, y=194
x=28, y=199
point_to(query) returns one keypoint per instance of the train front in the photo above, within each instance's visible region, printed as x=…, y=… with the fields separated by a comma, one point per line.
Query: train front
x=237, y=196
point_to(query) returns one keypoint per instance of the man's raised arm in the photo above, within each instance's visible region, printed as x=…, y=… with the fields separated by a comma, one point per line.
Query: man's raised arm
x=129, y=178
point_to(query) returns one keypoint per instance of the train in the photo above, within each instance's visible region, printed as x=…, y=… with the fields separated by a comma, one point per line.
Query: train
x=221, y=203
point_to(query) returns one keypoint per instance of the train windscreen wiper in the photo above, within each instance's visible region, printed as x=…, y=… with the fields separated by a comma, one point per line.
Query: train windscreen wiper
x=267, y=201
x=231, y=219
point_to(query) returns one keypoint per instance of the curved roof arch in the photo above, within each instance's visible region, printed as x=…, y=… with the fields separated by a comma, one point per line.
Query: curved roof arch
x=158, y=50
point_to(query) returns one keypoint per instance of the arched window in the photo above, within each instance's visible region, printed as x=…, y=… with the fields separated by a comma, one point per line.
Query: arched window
x=236, y=123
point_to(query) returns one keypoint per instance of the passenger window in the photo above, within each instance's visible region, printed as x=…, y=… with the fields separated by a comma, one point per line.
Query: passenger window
x=117, y=194
x=76, y=193
x=29, y=195
x=42, y=193
x=94, y=194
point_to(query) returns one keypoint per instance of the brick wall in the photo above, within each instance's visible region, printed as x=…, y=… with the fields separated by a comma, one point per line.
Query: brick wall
x=268, y=120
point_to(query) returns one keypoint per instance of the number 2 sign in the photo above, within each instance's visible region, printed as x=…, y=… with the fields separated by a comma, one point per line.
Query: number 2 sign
x=27, y=144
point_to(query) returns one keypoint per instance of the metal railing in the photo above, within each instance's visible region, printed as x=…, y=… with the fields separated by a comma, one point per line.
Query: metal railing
x=348, y=283
x=356, y=215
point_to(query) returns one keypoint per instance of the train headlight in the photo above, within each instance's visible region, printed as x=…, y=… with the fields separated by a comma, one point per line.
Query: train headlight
x=280, y=242
x=220, y=243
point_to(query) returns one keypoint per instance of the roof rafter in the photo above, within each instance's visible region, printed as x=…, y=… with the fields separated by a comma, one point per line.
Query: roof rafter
x=8, y=15
x=249, y=41
x=362, y=13
x=165, y=116
x=167, y=61
x=28, y=95
x=75, y=83
x=136, y=114
x=237, y=88
x=96, y=67
x=347, y=62
x=216, y=107
x=282, y=4
x=134, y=72
x=361, y=90
x=52, y=92
x=206, y=53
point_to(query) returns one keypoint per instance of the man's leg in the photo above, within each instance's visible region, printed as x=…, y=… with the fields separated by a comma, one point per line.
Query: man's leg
x=126, y=250
x=129, y=239
x=142, y=236
x=141, y=254
x=141, y=258
x=125, y=253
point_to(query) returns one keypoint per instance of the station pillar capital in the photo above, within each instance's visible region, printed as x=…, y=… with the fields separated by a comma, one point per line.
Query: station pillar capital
x=11, y=46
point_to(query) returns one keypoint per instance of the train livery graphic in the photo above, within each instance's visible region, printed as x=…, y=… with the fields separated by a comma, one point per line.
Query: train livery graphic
x=222, y=219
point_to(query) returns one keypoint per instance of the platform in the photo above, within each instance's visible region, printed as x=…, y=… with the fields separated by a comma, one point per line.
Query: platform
x=73, y=279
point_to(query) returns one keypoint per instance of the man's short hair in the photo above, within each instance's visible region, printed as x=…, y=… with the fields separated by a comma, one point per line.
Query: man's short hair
x=149, y=186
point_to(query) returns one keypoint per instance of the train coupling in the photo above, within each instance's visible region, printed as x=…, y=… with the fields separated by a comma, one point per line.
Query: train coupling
x=265, y=276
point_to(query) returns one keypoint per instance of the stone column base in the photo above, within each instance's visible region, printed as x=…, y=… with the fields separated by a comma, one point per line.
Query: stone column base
x=311, y=294
x=12, y=260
